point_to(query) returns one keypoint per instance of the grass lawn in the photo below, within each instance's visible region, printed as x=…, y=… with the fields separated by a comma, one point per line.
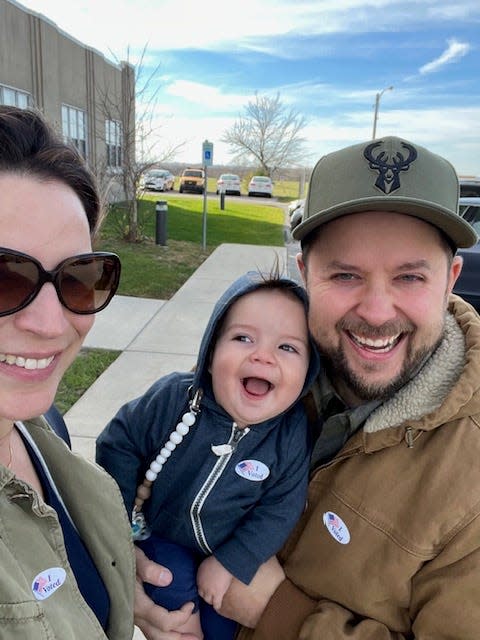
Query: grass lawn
x=155, y=271
x=81, y=374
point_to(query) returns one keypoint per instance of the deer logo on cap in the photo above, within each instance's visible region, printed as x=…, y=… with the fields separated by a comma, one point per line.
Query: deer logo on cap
x=389, y=168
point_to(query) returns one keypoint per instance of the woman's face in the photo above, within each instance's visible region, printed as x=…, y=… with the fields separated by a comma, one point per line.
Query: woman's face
x=45, y=220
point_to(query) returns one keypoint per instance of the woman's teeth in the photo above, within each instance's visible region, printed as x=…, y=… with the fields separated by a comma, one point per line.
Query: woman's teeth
x=26, y=363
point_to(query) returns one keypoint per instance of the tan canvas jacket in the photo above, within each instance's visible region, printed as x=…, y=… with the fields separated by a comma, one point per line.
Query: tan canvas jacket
x=389, y=547
x=31, y=541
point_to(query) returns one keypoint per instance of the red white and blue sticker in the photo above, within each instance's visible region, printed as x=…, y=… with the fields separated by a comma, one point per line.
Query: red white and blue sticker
x=252, y=470
x=336, y=527
x=47, y=582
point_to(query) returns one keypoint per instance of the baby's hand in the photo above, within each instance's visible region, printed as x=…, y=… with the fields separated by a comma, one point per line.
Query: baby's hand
x=213, y=581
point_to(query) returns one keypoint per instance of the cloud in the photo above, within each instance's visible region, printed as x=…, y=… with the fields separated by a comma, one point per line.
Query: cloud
x=276, y=27
x=206, y=95
x=454, y=52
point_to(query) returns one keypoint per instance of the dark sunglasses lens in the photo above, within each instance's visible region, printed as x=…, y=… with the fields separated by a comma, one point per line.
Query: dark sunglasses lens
x=18, y=282
x=86, y=285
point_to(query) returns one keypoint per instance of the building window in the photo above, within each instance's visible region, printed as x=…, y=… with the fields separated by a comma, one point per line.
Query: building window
x=14, y=97
x=113, y=139
x=74, y=127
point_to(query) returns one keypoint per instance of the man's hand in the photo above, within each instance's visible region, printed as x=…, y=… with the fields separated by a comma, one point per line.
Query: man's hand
x=213, y=581
x=245, y=603
x=155, y=622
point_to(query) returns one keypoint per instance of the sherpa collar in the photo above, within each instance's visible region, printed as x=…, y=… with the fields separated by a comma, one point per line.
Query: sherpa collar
x=429, y=388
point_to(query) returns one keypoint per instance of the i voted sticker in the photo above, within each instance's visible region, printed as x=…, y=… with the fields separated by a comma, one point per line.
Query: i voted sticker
x=252, y=470
x=47, y=582
x=336, y=527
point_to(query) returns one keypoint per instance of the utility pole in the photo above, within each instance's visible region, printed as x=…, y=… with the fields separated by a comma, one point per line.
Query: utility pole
x=377, y=105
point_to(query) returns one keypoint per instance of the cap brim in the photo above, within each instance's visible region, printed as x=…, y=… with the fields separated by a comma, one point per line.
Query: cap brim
x=456, y=228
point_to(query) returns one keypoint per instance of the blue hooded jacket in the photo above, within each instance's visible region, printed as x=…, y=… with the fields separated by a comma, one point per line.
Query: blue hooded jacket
x=210, y=499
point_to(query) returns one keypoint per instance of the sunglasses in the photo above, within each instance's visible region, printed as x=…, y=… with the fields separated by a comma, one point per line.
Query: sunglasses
x=84, y=284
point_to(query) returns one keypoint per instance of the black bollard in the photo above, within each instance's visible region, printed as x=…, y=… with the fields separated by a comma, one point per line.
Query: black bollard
x=161, y=210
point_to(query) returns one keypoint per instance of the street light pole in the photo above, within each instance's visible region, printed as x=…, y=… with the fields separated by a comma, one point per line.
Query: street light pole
x=377, y=104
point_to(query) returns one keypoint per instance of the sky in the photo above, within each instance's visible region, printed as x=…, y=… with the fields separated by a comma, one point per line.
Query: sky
x=326, y=59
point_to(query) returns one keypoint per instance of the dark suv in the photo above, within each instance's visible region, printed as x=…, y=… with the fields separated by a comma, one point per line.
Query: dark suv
x=468, y=284
x=469, y=186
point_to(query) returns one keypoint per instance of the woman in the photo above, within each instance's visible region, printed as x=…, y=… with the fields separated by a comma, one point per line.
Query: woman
x=66, y=552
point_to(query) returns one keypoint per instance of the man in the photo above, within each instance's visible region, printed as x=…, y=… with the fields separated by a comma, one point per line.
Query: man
x=389, y=546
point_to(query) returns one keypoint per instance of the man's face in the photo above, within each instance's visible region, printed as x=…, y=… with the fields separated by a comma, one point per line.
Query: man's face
x=378, y=284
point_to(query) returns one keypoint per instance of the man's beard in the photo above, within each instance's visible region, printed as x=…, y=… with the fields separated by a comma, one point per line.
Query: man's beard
x=338, y=367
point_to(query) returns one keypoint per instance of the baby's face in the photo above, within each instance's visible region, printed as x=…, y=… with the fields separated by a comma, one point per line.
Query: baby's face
x=261, y=356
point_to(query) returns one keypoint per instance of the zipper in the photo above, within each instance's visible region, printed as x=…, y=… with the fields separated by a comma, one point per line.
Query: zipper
x=409, y=437
x=219, y=467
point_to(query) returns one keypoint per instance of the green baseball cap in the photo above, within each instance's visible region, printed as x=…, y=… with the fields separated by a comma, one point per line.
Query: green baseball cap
x=388, y=174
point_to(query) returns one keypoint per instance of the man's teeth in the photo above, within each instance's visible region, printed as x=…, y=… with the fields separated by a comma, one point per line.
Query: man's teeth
x=379, y=344
x=26, y=363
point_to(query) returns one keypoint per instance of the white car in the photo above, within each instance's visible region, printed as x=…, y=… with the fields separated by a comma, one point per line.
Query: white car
x=260, y=186
x=229, y=183
x=159, y=180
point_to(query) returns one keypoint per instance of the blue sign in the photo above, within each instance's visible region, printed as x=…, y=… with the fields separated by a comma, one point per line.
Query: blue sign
x=207, y=153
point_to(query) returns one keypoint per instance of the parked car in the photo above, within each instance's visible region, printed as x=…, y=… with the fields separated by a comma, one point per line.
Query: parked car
x=468, y=284
x=294, y=204
x=469, y=186
x=192, y=180
x=295, y=212
x=159, y=180
x=229, y=183
x=260, y=186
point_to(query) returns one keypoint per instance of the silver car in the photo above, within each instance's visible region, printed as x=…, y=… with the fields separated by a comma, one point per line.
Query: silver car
x=159, y=180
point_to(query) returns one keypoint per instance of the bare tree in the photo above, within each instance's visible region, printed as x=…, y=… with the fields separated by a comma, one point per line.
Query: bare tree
x=268, y=134
x=137, y=114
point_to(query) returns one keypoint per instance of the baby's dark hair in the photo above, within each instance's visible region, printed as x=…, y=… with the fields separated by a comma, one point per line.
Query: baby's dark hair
x=30, y=146
x=275, y=279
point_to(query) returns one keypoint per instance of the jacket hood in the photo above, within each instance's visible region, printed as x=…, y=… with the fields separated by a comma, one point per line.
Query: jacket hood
x=246, y=284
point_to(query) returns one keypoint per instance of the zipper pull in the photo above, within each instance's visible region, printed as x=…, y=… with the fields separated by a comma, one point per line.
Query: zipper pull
x=409, y=439
x=230, y=446
x=222, y=449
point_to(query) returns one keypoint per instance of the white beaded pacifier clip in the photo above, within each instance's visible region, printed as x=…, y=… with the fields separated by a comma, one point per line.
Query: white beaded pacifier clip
x=140, y=529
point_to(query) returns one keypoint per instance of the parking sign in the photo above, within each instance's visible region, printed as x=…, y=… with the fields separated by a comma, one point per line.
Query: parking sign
x=207, y=153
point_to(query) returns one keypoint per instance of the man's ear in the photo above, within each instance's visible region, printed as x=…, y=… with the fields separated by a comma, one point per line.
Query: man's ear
x=301, y=267
x=455, y=270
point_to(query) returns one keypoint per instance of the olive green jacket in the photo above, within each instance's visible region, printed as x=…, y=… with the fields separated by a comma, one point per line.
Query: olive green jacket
x=31, y=542
x=389, y=546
